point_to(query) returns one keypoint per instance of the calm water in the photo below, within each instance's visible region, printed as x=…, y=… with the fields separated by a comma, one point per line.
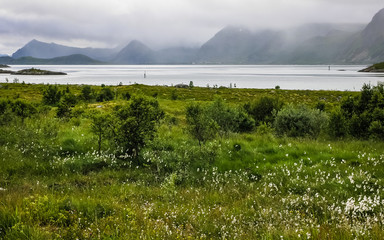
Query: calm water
x=248, y=76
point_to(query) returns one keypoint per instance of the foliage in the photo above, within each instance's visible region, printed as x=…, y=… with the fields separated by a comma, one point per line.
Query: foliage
x=229, y=119
x=199, y=124
x=55, y=184
x=51, y=95
x=67, y=102
x=100, y=126
x=263, y=109
x=135, y=124
x=87, y=93
x=105, y=94
x=338, y=127
x=300, y=121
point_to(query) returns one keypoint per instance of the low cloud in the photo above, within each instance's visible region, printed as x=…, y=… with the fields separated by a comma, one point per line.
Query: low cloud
x=110, y=23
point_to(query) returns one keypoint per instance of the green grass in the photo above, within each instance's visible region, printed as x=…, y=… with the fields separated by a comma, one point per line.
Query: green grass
x=241, y=186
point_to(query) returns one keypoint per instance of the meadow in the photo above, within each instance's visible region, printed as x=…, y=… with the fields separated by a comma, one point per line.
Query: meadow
x=64, y=175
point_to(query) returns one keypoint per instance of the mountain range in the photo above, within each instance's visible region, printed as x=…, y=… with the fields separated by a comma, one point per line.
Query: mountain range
x=308, y=44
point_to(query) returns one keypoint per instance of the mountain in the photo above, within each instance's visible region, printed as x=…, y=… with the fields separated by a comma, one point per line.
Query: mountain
x=324, y=43
x=368, y=45
x=135, y=53
x=76, y=59
x=44, y=50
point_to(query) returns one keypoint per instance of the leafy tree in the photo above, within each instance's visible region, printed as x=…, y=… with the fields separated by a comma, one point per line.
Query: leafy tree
x=105, y=94
x=338, y=125
x=263, y=109
x=65, y=105
x=23, y=109
x=100, y=126
x=51, y=95
x=136, y=124
x=229, y=119
x=200, y=125
x=6, y=114
x=376, y=130
x=86, y=93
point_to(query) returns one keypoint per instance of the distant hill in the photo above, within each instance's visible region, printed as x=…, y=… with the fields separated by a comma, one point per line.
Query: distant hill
x=44, y=50
x=76, y=59
x=308, y=44
x=135, y=53
x=367, y=46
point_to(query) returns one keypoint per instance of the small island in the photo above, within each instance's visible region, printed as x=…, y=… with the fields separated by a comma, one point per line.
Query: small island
x=4, y=66
x=375, y=68
x=32, y=71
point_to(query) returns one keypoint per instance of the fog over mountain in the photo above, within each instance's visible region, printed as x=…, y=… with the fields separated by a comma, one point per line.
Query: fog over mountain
x=162, y=24
x=324, y=43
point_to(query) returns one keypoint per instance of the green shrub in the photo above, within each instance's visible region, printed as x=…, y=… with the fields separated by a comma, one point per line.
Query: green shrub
x=376, y=130
x=263, y=109
x=87, y=93
x=135, y=124
x=105, y=94
x=300, y=121
x=338, y=125
x=51, y=95
x=229, y=119
x=199, y=124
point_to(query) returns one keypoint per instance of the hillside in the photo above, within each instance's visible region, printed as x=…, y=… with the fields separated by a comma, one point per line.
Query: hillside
x=38, y=49
x=76, y=59
x=307, y=44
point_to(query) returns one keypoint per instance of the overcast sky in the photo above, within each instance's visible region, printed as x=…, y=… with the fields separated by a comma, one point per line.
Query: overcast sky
x=161, y=23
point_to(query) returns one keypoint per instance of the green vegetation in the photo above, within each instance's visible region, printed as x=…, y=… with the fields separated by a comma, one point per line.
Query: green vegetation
x=378, y=67
x=140, y=163
x=32, y=71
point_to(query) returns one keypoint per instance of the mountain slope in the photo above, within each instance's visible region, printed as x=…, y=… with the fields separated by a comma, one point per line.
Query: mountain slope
x=135, y=53
x=76, y=59
x=39, y=49
x=368, y=45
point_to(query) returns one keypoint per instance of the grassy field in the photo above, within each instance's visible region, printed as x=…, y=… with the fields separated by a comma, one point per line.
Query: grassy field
x=254, y=185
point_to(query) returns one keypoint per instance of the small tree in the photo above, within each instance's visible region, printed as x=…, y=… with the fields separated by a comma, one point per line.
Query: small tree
x=263, y=109
x=23, y=109
x=200, y=125
x=100, y=126
x=86, y=93
x=51, y=95
x=65, y=105
x=136, y=124
x=105, y=94
x=338, y=125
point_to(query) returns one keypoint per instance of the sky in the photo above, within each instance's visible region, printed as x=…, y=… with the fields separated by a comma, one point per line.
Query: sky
x=161, y=23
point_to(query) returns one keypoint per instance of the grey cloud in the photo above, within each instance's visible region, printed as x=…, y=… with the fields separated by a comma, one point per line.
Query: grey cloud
x=161, y=23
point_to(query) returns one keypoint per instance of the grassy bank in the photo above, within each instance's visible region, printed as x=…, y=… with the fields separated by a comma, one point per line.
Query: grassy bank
x=252, y=185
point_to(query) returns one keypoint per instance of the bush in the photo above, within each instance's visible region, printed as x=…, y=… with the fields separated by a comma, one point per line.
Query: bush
x=51, y=95
x=264, y=109
x=229, y=119
x=135, y=124
x=376, y=130
x=105, y=94
x=300, y=121
x=338, y=125
x=65, y=106
x=200, y=125
x=86, y=93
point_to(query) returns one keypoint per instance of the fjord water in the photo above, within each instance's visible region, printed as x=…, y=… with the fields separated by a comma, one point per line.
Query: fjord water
x=312, y=77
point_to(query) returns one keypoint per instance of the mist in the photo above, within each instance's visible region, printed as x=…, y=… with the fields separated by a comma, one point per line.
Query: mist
x=161, y=24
